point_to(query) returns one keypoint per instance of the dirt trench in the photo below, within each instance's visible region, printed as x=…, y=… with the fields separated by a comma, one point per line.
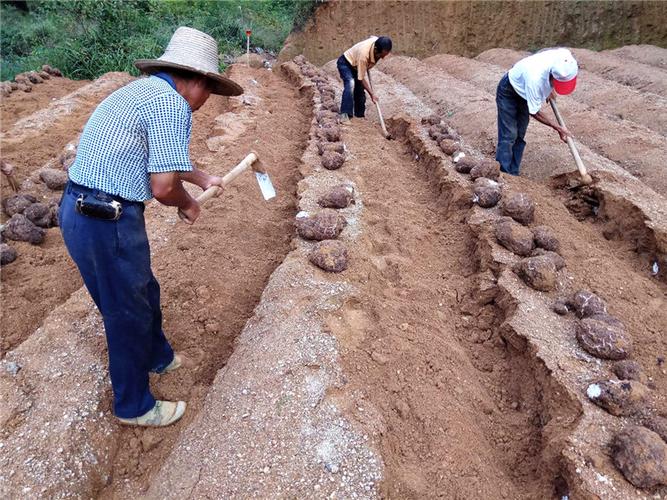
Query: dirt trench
x=212, y=275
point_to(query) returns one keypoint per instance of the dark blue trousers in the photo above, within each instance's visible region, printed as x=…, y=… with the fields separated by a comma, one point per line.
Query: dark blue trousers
x=513, y=118
x=354, y=94
x=113, y=258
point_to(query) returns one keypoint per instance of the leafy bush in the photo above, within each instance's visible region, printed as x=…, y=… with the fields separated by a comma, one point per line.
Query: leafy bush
x=86, y=38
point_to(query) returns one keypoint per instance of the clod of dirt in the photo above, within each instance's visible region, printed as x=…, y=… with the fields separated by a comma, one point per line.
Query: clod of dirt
x=604, y=336
x=515, y=237
x=432, y=119
x=538, y=272
x=325, y=225
x=334, y=147
x=449, y=146
x=5, y=89
x=330, y=133
x=519, y=206
x=325, y=115
x=658, y=424
x=588, y=304
x=54, y=178
x=486, y=168
x=629, y=370
x=329, y=104
x=44, y=75
x=619, y=397
x=40, y=214
x=465, y=165
x=558, y=261
x=332, y=160
x=51, y=70
x=487, y=193
x=17, y=203
x=560, y=307
x=25, y=86
x=338, y=197
x=544, y=238
x=34, y=77
x=437, y=132
x=19, y=228
x=67, y=157
x=330, y=255
x=641, y=456
x=7, y=254
x=300, y=60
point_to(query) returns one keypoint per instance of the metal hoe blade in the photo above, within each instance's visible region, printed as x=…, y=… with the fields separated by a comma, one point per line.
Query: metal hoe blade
x=265, y=185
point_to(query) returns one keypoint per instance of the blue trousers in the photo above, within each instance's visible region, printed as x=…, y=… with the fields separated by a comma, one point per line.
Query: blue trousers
x=354, y=95
x=113, y=258
x=513, y=118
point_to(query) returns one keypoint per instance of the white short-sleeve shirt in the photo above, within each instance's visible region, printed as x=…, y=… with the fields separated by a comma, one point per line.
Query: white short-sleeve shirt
x=530, y=77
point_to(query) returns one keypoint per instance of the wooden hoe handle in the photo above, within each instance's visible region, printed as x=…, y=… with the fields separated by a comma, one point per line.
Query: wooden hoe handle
x=377, y=106
x=214, y=191
x=573, y=149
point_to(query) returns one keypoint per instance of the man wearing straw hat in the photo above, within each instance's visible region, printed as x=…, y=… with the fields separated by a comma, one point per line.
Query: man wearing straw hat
x=133, y=148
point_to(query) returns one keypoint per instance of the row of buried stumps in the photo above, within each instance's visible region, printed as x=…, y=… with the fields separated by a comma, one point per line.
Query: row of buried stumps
x=638, y=450
x=29, y=218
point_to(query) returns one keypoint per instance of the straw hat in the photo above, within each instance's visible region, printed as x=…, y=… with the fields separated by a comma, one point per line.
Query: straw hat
x=192, y=50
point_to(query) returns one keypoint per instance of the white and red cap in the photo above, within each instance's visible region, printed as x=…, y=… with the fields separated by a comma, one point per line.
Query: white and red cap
x=564, y=71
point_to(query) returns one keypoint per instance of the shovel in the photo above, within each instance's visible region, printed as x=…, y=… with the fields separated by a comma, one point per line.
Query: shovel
x=263, y=179
x=386, y=134
x=585, y=177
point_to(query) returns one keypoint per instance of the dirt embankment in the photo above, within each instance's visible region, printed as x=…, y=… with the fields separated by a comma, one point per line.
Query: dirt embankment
x=424, y=28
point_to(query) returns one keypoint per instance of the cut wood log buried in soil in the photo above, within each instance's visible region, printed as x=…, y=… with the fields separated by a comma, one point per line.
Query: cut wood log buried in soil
x=265, y=184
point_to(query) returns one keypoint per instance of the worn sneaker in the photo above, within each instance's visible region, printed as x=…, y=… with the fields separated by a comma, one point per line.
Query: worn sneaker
x=162, y=414
x=343, y=118
x=174, y=365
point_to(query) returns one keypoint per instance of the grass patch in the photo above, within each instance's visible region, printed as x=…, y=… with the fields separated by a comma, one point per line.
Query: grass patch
x=86, y=38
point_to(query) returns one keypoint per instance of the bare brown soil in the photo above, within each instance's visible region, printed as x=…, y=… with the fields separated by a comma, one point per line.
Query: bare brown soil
x=426, y=369
x=647, y=54
x=428, y=27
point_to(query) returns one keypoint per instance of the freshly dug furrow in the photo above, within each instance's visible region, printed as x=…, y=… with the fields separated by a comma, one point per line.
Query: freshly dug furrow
x=645, y=54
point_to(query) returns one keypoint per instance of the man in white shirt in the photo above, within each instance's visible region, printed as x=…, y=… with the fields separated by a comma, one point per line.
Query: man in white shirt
x=521, y=93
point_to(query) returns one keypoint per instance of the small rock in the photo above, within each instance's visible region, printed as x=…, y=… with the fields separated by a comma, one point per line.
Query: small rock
x=325, y=225
x=513, y=236
x=558, y=261
x=544, y=238
x=641, y=456
x=588, y=304
x=658, y=424
x=7, y=254
x=448, y=146
x=54, y=179
x=11, y=367
x=330, y=133
x=325, y=115
x=339, y=197
x=465, y=165
x=437, y=131
x=629, y=370
x=39, y=214
x=486, y=168
x=519, y=206
x=432, y=119
x=19, y=228
x=17, y=203
x=34, y=77
x=25, y=87
x=487, y=192
x=329, y=255
x=538, y=272
x=332, y=160
x=560, y=307
x=334, y=147
x=619, y=397
x=604, y=336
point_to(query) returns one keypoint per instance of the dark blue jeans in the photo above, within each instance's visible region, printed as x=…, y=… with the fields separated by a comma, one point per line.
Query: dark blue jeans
x=513, y=118
x=113, y=258
x=354, y=95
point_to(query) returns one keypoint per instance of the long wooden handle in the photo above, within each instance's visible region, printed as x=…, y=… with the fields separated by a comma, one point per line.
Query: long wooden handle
x=214, y=191
x=573, y=149
x=377, y=106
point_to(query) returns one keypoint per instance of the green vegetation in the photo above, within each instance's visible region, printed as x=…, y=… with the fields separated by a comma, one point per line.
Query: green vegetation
x=86, y=38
